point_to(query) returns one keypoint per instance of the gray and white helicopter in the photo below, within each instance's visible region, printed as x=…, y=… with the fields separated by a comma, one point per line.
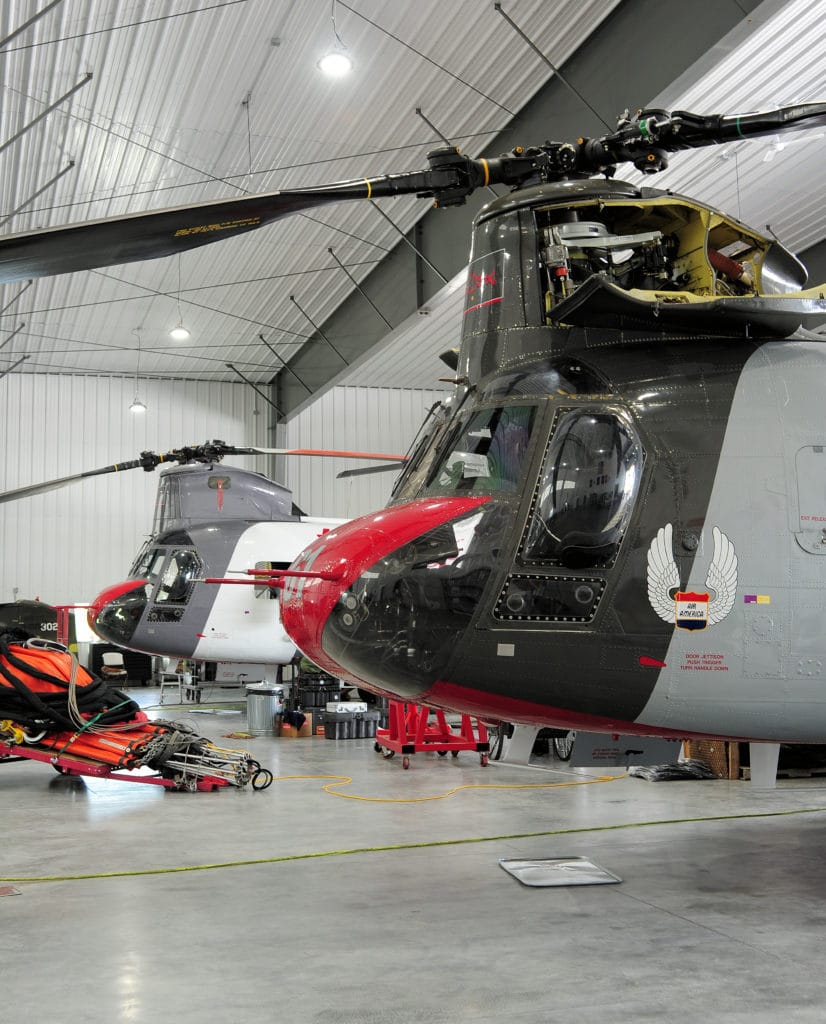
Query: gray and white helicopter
x=212, y=521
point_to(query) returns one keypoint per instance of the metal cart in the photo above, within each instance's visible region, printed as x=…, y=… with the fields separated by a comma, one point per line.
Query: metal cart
x=414, y=728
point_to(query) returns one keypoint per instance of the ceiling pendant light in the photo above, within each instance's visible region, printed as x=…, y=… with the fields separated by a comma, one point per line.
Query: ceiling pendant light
x=179, y=332
x=337, y=62
x=137, y=405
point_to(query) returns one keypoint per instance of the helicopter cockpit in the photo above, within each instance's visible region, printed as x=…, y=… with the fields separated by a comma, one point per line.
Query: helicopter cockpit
x=180, y=570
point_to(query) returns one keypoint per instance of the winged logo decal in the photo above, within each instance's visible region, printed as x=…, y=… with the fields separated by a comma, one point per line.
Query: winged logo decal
x=691, y=609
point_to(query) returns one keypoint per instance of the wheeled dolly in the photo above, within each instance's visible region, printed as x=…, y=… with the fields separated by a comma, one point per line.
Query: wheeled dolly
x=414, y=728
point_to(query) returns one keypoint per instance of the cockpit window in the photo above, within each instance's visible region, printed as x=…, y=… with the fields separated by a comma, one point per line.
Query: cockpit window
x=422, y=450
x=167, y=503
x=486, y=454
x=148, y=563
x=177, y=581
x=586, y=490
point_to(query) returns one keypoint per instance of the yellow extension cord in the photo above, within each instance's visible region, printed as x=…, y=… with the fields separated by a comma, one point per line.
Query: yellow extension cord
x=344, y=780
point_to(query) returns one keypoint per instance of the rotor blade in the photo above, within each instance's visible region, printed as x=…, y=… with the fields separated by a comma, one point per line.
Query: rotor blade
x=658, y=131
x=368, y=470
x=321, y=452
x=751, y=126
x=450, y=179
x=211, y=451
x=142, y=236
x=53, y=485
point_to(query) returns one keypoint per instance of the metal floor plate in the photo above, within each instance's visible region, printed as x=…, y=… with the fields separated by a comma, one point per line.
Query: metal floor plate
x=559, y=871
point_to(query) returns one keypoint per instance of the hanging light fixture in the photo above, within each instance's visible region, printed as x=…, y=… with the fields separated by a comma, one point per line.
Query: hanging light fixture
x=137, y=405
x=337, y=62
x=179, y=332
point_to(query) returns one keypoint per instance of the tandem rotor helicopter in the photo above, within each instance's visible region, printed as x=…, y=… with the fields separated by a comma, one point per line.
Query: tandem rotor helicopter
x=211, y=520
x=618, y=521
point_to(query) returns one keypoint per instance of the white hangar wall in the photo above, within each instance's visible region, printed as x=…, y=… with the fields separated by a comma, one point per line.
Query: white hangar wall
x=373, y=419
x=67, y=545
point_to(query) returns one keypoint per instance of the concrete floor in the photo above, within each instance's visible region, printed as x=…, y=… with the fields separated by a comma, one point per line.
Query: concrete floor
x=295, y=905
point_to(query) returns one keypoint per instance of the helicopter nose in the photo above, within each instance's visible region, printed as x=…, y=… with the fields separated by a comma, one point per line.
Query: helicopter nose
x=383, y=606
x=115, y=613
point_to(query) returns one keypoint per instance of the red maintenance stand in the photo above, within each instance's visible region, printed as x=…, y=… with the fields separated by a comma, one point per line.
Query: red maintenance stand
x=411, y=730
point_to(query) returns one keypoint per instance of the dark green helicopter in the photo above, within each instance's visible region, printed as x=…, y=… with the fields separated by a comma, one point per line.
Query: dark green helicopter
x=618, y=520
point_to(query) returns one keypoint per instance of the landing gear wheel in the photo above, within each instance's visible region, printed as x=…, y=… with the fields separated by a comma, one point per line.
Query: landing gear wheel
x=564, y=746
x=405, y=762
x=387, y=754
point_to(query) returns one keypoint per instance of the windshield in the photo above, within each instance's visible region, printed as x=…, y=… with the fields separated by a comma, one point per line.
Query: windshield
x=148, y=563
x=486, y=453
x=422, y=451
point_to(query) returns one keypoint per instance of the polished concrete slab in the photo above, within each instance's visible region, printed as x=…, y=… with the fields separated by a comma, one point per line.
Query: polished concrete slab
x=382, y=900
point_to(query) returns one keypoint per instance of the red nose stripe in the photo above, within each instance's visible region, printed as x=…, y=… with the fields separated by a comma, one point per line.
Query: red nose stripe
x=347, y=552
x=107, y=596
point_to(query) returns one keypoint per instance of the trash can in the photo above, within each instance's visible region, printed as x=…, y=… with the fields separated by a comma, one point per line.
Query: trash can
x=264, y=702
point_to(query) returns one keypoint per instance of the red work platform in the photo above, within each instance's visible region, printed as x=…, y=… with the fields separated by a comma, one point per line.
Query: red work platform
x=412, y=731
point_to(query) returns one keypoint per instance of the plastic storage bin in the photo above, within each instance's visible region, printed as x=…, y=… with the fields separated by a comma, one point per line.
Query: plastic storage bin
x=339, y=726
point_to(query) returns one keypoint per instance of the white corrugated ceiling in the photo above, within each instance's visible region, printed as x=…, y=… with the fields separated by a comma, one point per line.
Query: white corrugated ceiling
x=192, y=100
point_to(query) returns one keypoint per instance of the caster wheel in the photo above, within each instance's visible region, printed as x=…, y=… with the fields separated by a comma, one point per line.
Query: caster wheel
x=406, y=762
x=377, y=747
x=442, y=753
x=454, y=753
x=388, y=754
x=483, y=760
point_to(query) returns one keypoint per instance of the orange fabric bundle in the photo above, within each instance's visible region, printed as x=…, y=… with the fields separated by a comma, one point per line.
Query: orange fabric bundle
x=49, y=662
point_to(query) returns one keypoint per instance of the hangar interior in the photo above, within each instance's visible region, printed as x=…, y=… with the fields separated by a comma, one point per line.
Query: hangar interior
x=351, y=890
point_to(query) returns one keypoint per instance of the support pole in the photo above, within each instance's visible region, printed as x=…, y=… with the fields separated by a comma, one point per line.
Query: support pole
x=13, y=366
x=433, y=127
x=360, y=290
x=556, y=71
x=14, y=298
x=45, y=113
x=255, y=388
x=404, y=237
x=39, y=192
x=286, y=365
x=17, y=330
x=31, y=21
x=317, y=329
